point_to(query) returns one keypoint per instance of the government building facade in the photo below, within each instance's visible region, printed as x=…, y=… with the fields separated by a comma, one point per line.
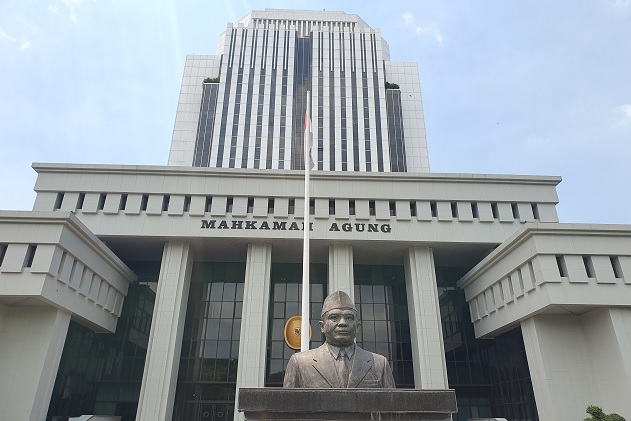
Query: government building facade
x=155, y=292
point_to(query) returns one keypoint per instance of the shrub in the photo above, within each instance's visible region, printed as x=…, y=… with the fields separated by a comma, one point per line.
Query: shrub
x=391, y=85
x=211, y=80
x=597, y=414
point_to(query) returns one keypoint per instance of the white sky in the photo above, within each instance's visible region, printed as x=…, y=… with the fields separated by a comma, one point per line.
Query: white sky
x=509, y=87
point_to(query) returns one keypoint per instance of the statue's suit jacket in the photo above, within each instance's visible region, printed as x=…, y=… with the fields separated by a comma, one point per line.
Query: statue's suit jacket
x=316, y=369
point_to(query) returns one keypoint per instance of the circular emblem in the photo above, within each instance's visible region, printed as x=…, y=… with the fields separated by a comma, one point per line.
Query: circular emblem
x=292, y=332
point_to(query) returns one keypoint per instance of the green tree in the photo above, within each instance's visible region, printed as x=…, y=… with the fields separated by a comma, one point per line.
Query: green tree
x=597, y=414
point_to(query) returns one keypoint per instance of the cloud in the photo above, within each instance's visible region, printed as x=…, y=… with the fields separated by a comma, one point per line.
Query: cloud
x=25, y=45
x=69, y=6
x=430, y=30
x=623, y=114
x=408, y=18
x=620, y=4
x=6, y=36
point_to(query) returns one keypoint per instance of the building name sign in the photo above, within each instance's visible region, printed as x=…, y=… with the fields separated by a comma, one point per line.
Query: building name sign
x=240, y=224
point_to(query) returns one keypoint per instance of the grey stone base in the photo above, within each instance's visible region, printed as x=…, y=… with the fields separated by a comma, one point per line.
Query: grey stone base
x=264, y=404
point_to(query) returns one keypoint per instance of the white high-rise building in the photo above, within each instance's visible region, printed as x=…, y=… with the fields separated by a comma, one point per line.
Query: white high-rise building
x=250, y=113
x=156, y=292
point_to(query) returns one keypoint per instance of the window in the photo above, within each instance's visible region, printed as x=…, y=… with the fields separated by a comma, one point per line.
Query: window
x=535, y=210
x=312, y=207
x=3, y=252
x=291, y=206
x=250, y=207
x=561, y=265
x=393, y=208
x=371, y=208
x=351, y=207
x=123, y=202
x=270, y=206
x=80, y=200
x=474, y=210
x=101, y=204
x=165, y=202
x=589, y=267
x=332, y=207
x=434, y=209
x=229, y=201
x=187, y=204
x=454, y=210
x=143, y=202
x=615, y=265
x=30, y=255
x=515, y=210
x=495, y=211
x=208, y=204
x=58, y=201
x=413, y=209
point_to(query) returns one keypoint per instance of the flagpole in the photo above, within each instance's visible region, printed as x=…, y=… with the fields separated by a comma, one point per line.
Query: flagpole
x=304, y=327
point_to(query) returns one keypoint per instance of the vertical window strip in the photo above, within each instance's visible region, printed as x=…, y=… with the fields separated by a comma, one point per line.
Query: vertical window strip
x=434, y=209
x=377, y=102
x=249, y=101
x=3, y=252
x=396, y=138
x=535, y=211
x=454, y=209
x=589, y=266
x=494, y=210
x=332, y=119
x=208, y=204
x=474, y=210
x=234, y=138
x=261, y=104
x=122, y=204
x=226, y=100
x=615, y=265
x=561, y=266
x=80, y=200
x=101, y=203
x=58, y=201
x=144, y=200
x=343, y=122
x=272, y=101
x=165, y=202
x=30, y=255
x=515, y=210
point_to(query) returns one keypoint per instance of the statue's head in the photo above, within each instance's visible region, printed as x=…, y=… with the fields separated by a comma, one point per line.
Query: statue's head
x=339, y=321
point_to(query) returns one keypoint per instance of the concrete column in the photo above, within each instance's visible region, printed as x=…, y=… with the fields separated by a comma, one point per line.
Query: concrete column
x=157, y=392
x=428, y=351
x=341, y=277
x=253, y=336
x=31, y=342
x=577, y=361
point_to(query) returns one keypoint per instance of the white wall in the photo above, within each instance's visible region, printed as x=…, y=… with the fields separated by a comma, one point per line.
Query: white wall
x=577, y=361
x=31, y=343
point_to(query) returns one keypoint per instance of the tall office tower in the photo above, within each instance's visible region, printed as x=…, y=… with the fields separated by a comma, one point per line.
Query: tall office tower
x=245, y=106
x=157, y=292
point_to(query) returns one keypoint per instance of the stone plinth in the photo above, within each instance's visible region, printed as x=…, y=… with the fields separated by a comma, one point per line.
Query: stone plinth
x=346, y=404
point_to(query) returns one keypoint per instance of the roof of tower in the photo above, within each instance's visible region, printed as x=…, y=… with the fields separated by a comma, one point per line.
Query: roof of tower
x=304, y=15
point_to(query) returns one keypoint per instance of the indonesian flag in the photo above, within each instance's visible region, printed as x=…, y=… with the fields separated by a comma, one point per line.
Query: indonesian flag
x=308, y=133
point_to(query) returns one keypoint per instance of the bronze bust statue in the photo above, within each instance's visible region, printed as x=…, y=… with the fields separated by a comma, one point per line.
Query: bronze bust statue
x=338, y=363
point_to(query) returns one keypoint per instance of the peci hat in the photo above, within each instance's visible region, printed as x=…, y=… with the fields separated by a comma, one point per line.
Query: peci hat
x=338, y=299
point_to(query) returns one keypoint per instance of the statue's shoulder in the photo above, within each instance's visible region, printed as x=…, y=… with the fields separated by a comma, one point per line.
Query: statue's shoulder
x=377, y=358
x=311, y=354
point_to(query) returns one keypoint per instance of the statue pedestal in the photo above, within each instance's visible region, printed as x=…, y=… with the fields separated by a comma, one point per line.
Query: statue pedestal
x=270, y=404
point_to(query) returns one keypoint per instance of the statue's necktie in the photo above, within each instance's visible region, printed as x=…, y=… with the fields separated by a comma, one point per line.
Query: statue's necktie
x=343, y=367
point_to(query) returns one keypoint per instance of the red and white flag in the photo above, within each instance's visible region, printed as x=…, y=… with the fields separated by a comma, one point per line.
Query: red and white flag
x=308, y=133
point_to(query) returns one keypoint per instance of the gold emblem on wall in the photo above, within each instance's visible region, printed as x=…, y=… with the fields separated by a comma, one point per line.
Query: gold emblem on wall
x=292, y=332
